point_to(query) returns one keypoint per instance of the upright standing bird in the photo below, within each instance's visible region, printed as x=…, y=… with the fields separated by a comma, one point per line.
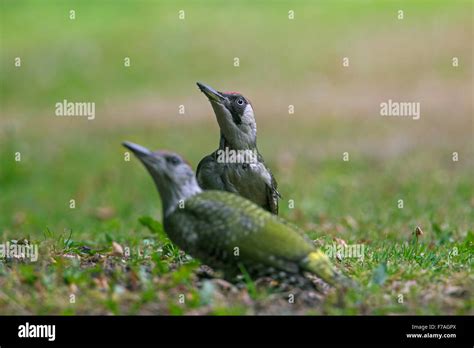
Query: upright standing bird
x=225, y=230
x=238, y=132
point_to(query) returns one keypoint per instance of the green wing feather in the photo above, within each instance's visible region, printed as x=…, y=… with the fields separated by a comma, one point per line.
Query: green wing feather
x=214, y=223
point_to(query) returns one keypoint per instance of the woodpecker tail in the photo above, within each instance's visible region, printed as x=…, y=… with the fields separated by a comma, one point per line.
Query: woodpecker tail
x=318, y=263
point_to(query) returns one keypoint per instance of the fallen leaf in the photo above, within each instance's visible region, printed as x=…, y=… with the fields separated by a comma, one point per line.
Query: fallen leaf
x=117, y=249
x=104, y=213
x=101, y=283
x=418, y=231
x=73, y=288
x=340, y=241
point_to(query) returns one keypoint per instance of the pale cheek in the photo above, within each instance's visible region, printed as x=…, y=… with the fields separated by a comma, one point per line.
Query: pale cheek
x=248, y=116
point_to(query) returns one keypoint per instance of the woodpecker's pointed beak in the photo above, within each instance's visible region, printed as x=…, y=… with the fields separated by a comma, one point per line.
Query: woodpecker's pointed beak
x=138, y=150
x=211, y=93
x=148, y=158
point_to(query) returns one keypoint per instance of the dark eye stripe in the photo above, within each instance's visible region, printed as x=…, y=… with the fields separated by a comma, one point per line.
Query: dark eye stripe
x=173, y=160
x=237, y=109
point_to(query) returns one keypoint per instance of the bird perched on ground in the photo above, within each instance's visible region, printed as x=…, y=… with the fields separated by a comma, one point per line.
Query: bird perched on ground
x=225, y=230
x=237, y=166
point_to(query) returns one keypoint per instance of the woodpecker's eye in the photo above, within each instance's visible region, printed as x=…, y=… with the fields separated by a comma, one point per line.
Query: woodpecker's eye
x=240, y=101
x=173, y=160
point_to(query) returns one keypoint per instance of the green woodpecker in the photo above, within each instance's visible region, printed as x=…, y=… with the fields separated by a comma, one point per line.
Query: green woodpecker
x=237, y=166
x=225, y=230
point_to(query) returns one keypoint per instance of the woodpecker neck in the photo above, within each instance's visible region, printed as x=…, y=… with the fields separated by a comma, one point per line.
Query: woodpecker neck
x=174, y=195
x=239, y=130
x=235, y=145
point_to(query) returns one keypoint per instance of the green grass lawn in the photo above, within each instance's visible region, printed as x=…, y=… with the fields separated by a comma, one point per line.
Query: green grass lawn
x=110, y=255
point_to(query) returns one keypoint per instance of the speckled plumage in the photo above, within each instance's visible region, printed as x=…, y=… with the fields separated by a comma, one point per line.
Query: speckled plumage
x=253, y=181
x=238, y=131
x=213, y=223
x=225, y=230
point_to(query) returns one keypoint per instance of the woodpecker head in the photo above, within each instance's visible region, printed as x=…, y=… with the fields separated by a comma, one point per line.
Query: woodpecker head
x=235, y=116
x=173, y=176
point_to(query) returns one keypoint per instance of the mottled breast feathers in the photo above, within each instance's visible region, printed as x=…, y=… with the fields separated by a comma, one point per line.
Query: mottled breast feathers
x=253, y=181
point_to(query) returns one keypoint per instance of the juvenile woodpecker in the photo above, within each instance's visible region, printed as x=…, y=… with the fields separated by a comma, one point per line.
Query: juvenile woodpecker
x=237, y=166
x=225, y=230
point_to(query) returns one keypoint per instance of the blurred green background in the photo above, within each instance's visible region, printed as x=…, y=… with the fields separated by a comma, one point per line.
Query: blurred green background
x=282, y=62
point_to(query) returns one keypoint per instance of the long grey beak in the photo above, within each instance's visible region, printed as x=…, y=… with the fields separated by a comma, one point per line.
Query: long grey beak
x=138, y=150
x=151, y=160
x=211, y=93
